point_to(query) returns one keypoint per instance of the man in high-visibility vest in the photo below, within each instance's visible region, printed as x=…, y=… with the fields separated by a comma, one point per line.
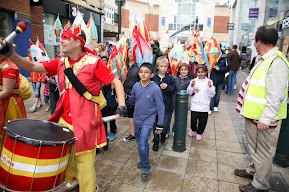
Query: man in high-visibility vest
x=263, y=101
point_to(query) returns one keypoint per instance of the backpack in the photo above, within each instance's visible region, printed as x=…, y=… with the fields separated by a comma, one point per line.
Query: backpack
x=223, y=61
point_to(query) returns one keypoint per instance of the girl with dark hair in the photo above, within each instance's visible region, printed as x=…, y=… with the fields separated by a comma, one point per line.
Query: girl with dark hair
x=201, y=90
x=182, y=82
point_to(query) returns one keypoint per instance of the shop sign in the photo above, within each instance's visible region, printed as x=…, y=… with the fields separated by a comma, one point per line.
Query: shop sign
x=245, y=26
x=230, y=26
x=253, y=13
x=285, y=23
x=73, y=11
x=163, y=22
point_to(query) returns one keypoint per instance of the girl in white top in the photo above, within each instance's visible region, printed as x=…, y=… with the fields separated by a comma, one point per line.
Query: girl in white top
x=201, y=90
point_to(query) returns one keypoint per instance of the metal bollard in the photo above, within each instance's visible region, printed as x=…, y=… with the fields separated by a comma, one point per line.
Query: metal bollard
x=181, y=114
x=281, y=157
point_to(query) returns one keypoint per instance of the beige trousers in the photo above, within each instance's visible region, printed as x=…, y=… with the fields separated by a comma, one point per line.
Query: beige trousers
x=261, y=164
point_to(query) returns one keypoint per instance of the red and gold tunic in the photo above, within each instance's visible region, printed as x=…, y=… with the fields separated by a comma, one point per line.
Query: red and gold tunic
x=83, y=115
x=11, y=107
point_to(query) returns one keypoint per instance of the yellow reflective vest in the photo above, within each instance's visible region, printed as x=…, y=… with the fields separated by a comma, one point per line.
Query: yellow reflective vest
x=255, y=98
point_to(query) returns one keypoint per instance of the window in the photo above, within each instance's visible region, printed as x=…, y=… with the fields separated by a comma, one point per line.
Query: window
x=171, y=26
x=179, y=8
x=109, y=15
x=5, y=23
x=186, y=9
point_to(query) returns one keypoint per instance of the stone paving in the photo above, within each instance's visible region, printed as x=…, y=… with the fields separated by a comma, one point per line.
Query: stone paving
x=205, y=166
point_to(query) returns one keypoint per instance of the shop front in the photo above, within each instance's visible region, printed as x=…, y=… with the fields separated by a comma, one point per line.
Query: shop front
x=285, y=34
x=67, y=12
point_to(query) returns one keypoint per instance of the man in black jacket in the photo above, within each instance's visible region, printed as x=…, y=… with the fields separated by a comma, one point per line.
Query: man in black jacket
x=218, y=77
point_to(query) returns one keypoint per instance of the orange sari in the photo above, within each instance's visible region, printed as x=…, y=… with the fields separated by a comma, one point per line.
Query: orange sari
x=11, y=107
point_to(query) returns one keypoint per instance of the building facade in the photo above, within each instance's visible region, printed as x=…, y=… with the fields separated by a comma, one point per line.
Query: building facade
x=277, y=15
x=131, y=12
x=182, y=17
x=248, y=15
x=221, y=20
x=66, y=10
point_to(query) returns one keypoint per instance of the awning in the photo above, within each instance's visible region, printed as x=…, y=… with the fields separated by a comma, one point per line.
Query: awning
x=274, y=20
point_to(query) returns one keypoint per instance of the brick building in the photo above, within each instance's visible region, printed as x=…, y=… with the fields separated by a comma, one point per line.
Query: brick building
x=221, y=19
x=40, y=17
x=13, y=11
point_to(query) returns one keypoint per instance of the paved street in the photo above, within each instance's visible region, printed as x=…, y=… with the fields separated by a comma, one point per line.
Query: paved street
x=205, y=166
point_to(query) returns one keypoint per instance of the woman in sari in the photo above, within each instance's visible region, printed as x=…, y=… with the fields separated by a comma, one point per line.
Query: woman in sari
x=11, y=105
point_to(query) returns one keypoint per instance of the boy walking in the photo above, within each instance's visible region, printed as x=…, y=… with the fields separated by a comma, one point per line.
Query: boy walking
x=167, y=84
x=146, y=93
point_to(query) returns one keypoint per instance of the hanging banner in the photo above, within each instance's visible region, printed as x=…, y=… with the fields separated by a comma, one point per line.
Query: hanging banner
x=49, y=37
x=163, y=22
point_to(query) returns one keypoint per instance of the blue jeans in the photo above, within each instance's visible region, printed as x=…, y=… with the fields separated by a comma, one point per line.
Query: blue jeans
x=216, y=99
x=142, y=134
x=36, y=87
x=231, y=81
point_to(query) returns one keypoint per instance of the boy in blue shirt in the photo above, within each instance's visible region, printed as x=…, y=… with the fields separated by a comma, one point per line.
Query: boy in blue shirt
x=147, y=98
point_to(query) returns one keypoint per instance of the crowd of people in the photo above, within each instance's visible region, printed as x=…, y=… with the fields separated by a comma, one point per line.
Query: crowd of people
x=153, y=86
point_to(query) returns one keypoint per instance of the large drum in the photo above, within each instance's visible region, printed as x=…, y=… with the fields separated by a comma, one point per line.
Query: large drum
x=34, y=155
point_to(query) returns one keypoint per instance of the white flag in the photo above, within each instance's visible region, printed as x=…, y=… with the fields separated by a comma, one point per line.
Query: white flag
x=78, y=20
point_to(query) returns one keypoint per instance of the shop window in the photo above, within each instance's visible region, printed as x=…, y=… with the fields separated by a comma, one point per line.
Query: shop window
x=5, y=24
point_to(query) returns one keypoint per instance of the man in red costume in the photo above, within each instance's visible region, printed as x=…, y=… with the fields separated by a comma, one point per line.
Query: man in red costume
x=73, y=110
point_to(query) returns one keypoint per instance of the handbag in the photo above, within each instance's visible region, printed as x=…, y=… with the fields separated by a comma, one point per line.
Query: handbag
x=81, y=89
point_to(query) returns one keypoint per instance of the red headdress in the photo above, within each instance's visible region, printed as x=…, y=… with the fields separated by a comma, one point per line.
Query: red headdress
x=75, y=33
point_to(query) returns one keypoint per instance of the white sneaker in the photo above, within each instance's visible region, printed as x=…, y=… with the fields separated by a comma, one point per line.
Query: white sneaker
x=32, y=109
x=39, y=105
x=216, y=109
x=70, y=186
x=235, y=87
x=210, y=112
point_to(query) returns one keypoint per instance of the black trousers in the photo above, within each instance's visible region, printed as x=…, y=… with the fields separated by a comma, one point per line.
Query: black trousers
x=199, y=121
x=107, y=111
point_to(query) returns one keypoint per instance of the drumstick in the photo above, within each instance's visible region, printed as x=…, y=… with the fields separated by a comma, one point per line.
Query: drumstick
x=109, y=118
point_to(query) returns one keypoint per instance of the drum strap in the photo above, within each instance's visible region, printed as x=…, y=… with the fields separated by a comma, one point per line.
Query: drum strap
x=80, y=88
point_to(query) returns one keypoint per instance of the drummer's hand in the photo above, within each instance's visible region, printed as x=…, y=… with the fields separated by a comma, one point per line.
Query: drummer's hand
x=121, y=111
x=7, y=50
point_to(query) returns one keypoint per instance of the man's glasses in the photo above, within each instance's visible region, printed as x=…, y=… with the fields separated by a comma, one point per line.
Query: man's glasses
x=144, y=72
